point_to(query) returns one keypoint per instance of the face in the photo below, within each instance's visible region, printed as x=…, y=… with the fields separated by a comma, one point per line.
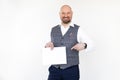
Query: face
x=66, y=14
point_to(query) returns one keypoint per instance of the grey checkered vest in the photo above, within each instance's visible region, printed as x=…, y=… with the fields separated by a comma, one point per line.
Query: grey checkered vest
x=69, y=39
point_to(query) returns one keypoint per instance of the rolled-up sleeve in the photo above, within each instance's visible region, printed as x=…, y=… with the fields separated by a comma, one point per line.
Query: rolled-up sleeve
x=82, y=37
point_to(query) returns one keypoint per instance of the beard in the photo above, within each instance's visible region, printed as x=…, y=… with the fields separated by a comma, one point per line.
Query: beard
x=66, y=20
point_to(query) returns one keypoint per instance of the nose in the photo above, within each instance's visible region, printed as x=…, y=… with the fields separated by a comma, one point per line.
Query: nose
x=65, y=15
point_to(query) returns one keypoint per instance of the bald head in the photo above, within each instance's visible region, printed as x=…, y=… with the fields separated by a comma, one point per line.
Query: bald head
x=66, y=14
x=65, y=7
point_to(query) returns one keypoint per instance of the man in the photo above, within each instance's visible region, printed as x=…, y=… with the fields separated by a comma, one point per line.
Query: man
x=73, y=38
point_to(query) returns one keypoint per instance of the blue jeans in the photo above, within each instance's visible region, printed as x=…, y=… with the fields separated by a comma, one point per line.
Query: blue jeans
x=71, y=73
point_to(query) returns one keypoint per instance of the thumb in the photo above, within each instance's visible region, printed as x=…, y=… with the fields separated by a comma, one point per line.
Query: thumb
x=72, y=48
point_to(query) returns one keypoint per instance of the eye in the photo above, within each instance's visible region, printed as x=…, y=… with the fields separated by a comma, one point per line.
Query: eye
x=63, y=13
x=68, y=13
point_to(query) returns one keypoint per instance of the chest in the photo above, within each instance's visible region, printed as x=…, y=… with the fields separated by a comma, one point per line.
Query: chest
x=70, y=37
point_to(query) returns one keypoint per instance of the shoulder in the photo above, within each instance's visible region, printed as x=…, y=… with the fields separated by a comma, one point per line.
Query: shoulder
x=55, y=27
x=75, y=25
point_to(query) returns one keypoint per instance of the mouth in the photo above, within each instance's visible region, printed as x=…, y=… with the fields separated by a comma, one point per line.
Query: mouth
x=65, y=17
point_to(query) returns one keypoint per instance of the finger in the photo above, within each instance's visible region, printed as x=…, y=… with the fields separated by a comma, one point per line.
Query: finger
x=46, y=46
x=73, y=48
x=51, y=46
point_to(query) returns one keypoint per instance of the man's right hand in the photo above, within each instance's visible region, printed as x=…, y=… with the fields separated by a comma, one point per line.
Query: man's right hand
x=49, y=45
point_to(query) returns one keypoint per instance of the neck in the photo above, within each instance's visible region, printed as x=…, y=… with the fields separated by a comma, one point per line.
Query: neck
x=65, y=25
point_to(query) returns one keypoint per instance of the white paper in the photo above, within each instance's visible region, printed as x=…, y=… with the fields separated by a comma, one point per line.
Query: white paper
x=55, y=56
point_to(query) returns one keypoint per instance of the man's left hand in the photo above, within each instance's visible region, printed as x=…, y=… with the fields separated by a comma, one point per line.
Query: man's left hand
x=78, y=46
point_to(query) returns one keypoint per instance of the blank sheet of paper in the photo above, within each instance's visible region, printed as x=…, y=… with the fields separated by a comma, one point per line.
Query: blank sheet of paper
x=55, y=56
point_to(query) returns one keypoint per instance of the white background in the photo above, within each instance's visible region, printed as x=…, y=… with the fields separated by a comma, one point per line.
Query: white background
x=24, y=23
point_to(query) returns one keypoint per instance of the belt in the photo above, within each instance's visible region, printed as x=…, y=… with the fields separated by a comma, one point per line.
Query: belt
x=59, y=67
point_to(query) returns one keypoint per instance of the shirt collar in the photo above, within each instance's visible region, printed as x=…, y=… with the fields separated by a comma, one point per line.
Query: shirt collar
x=71, y=24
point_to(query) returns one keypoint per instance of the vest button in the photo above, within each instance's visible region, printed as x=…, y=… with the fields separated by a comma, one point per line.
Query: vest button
x=62, y=38
x=61, y=43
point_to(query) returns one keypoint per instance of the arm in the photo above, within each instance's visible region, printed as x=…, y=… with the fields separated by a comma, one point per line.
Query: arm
x=84, y=42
